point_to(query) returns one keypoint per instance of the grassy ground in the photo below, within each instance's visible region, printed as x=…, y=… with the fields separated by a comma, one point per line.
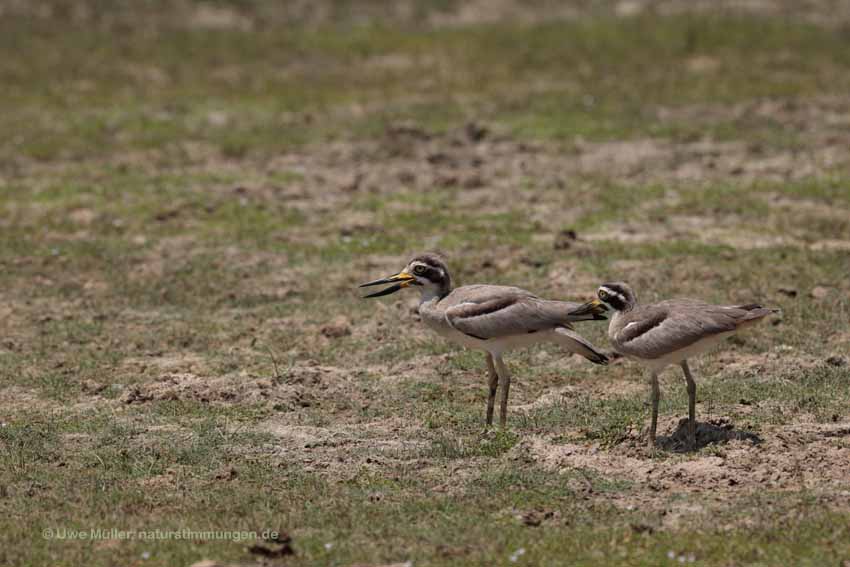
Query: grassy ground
x=191, y=194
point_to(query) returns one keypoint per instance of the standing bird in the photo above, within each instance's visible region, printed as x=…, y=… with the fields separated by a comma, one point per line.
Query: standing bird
x=671, y=332
x=492, y=318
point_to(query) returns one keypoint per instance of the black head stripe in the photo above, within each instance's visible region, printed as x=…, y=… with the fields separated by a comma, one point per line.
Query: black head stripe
x=422, y=270
x=434, y=274
x=431, y=260
x=613, y=296
x=435, y=271
x=435, y=268
x=619, y=295
x=617, y=301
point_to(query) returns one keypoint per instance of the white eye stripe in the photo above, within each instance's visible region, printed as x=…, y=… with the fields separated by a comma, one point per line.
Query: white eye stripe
x=427, y=267
x=612, y=293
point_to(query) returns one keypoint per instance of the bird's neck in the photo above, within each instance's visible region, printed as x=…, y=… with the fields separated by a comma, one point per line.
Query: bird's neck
x=625, y=306
x=432, y=293
x=618, y=315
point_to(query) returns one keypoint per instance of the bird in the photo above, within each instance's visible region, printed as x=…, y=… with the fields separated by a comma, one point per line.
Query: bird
x=494, y=319
x=669, y=333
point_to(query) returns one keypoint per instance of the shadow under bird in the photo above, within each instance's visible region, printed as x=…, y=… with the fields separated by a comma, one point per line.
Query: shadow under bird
x=670, y=332
x=492, y=318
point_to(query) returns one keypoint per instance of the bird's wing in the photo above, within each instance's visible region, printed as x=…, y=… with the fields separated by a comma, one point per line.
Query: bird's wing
x=501, y=315
x=662, y=328
x=480, y=293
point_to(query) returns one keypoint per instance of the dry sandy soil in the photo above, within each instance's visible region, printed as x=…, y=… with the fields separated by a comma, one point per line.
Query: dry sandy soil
x=184, y=343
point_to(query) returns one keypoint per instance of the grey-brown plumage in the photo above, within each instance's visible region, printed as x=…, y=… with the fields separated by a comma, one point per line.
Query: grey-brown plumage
x=491, y=311
x=654, y=331
x=492, y=318
x=671, y=332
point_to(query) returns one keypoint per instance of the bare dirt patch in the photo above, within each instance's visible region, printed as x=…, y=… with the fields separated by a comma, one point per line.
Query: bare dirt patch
x=16, y=399
x=299, y=386
x=487, y=167
x=346, y=450
x=487, y=170
x=732, y=230
x=811, y=456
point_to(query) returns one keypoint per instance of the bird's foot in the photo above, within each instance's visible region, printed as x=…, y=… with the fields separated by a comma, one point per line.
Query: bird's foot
x=651, y=442
x=652, y=449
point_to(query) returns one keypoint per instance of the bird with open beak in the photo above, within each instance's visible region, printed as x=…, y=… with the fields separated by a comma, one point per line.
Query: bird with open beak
x=492, y=318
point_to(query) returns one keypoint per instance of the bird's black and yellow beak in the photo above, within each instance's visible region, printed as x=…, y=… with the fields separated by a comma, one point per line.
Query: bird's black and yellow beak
x=400, y=280
x=592, y=309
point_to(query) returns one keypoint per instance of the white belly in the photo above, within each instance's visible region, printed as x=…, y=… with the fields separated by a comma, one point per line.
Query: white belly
x=656, y=365
x=493, y=346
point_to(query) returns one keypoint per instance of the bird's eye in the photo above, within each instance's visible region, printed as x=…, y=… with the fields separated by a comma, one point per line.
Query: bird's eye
x=603, y=294
x=419, y=270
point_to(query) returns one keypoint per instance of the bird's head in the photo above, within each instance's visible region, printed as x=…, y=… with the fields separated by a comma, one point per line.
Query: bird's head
x=619, y=296
x=427, y=271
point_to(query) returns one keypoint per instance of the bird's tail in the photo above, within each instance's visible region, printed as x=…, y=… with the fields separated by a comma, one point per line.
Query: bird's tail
x=590, y=311
x=579, y=345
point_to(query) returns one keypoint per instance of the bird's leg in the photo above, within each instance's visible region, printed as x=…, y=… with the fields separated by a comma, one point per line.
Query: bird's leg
x=692, y=405
x=494, y=385
x=656, y=395
x=505, y=384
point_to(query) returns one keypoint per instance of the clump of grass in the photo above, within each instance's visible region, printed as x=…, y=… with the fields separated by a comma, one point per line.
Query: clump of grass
x=25, y=445
x=451, y=446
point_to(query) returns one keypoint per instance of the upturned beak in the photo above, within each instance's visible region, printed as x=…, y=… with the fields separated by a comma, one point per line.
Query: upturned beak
x=401, y=280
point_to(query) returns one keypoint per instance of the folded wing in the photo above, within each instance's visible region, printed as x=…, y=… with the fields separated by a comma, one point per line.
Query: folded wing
x=673, y=325
x=495, y=311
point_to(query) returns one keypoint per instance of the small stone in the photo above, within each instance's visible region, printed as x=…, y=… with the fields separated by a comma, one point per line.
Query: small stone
x=227, y=474
x=92, y=387
x=473, y=182
x=787, y=290
x=218, y=118
x=837, y=361
x=339, y=327
x=407, y=177
x=565, y=239
x=277, y=547
x=476, y=132
x=353, y=184
x=82, y=216
x=135, y=395
x=819, y=292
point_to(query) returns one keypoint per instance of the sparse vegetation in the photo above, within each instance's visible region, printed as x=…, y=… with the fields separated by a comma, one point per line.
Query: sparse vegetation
x=191, y=191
